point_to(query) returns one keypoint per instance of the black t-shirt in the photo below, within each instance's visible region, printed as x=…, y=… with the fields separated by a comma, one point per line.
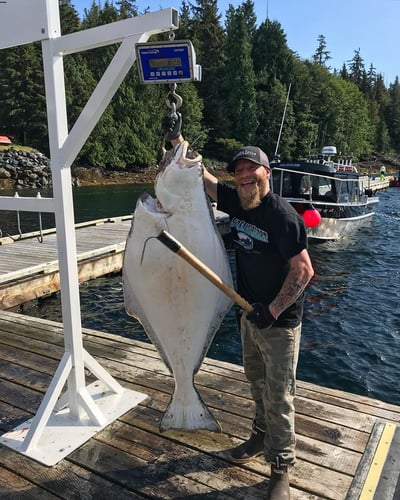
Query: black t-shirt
x=265, y=238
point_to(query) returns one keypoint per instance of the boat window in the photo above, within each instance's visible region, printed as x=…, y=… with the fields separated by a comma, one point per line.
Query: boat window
x=320, y=187
x=301, y=185
x=347, y=191
x=305, y=185
x=282, y=183
x=324, y=188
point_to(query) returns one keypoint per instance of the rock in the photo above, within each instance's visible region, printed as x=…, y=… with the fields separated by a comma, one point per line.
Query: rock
x=25, y=169
x=4, y=173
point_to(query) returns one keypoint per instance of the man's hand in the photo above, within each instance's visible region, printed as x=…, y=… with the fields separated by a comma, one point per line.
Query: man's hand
x=172, y=124
x=261, y=316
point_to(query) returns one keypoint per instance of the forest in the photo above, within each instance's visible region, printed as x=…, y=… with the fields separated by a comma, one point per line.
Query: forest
x=247, y=72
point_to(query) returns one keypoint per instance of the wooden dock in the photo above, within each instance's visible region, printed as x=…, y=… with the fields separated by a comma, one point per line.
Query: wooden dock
x=376, y=184
x=29, y=268
x=347, y=445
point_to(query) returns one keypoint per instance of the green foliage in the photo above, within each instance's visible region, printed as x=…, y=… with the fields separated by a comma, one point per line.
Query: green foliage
x=321, y=55
x=239, y=72
x=247, y=70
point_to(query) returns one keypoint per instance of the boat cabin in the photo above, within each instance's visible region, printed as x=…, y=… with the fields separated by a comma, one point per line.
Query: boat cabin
x=316, y=181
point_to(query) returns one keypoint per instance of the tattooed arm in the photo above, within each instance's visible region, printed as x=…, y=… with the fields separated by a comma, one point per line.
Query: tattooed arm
x=300, y=273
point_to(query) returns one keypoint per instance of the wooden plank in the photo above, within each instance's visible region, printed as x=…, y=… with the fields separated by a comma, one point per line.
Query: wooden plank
x=66, y=480
x=389, y=483
x=309, y=429
x=307, y=448
x=30, y=257
x=12, y=486
x=47, y=281
x=333, y=428
x=168, y=445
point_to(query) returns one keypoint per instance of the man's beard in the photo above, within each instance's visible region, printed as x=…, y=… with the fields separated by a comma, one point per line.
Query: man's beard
x=250, y=199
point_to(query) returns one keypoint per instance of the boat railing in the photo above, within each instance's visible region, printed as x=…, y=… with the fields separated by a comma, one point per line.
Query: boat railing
x=343, y=167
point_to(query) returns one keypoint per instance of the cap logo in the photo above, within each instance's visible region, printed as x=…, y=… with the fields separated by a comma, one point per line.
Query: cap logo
x=246, y=152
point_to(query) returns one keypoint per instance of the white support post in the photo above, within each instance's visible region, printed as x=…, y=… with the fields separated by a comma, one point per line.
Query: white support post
x=83, y=410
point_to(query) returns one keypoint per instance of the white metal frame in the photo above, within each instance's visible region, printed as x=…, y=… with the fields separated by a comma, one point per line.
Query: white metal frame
x=83, y=410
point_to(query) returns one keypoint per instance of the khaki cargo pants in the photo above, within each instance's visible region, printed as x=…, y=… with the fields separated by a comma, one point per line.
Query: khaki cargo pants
x=270, y=362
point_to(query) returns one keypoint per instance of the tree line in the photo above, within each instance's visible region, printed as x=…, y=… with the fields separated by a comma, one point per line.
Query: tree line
x=247, y=71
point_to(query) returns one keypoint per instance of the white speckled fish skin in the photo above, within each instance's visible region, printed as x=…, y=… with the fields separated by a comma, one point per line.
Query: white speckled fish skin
x=179, y=308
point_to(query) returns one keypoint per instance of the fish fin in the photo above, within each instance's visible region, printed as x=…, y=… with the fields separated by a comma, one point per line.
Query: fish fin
x=188, y=417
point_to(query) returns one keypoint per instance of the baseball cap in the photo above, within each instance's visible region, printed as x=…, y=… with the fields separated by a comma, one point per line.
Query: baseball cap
x=252, y=153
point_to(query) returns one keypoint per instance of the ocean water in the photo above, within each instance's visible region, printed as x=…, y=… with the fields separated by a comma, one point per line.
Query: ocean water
x=351, y=327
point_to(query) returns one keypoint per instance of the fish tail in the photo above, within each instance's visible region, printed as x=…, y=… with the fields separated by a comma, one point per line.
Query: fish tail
x=188, y=416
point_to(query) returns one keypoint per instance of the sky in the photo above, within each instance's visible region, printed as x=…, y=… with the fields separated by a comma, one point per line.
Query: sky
x=370, y=26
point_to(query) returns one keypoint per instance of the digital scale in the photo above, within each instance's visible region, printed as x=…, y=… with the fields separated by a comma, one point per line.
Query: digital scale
x=167, y=62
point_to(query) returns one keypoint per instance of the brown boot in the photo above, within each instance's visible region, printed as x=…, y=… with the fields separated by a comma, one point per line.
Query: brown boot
x=278, y=488
x=250, y=449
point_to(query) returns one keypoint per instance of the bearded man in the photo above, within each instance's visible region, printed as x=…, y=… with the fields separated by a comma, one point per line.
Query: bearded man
x=273, y=269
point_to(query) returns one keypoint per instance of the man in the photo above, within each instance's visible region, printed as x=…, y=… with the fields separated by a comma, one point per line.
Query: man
x=273, y=269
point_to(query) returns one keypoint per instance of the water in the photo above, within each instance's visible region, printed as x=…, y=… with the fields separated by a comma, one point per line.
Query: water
x=351, y=327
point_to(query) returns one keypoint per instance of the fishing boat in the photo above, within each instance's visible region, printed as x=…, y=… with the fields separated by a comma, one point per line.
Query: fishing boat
x=332, y=189
x=395, y=182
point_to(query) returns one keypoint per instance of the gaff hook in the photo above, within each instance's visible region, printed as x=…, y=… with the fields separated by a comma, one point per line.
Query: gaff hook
x=144, y=247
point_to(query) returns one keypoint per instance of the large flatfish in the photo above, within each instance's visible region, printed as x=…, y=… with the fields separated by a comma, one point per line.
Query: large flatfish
x=178, y=307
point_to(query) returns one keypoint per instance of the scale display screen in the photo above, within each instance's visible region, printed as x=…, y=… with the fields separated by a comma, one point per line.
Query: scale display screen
x=167, y=62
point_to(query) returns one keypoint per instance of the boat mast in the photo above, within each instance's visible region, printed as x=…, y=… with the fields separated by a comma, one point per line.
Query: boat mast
x=283, y=119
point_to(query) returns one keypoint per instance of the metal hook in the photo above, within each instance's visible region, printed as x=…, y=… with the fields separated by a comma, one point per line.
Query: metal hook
x=144, y=247
x=172, y=94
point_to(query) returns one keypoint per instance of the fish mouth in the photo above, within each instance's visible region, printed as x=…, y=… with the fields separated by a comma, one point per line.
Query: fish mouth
x=151, y=204
x=181, y=154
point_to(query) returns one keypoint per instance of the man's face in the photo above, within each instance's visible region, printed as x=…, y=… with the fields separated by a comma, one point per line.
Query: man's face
x=252, y=183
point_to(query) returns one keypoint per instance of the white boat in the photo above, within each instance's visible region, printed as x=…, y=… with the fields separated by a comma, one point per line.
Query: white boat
x=335, y=189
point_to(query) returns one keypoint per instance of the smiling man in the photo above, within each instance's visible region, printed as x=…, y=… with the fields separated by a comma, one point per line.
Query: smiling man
x=273, y=269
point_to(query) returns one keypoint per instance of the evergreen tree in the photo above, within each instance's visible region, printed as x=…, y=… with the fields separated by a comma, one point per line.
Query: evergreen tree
x=273, y=66
x=380, y=102
x=241, y=96
x=271, y=54
x=357, y=69
x=126, y=8
x=246, y=74
x=208, y=37
x=69, y=18
x=321, y=55
x=393, y=114
x=271, y=107
x=344, y=73
x=23, y=103
x=247, y=10
x=304, y=130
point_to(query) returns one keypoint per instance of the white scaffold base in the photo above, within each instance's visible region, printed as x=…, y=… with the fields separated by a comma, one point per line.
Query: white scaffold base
x=62, y=434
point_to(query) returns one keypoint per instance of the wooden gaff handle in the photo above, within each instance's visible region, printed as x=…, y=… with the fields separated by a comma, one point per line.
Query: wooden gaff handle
x=176, y=247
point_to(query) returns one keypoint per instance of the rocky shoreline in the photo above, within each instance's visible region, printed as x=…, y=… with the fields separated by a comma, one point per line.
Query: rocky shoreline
x=31, y=169
x=20, y=169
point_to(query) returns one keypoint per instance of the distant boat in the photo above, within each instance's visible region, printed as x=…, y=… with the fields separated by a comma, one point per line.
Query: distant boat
x=395, y=182
x=335, y=189
x=5, y=140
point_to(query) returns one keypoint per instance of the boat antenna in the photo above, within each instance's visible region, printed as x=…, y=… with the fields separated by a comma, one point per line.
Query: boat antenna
x=283, y=119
